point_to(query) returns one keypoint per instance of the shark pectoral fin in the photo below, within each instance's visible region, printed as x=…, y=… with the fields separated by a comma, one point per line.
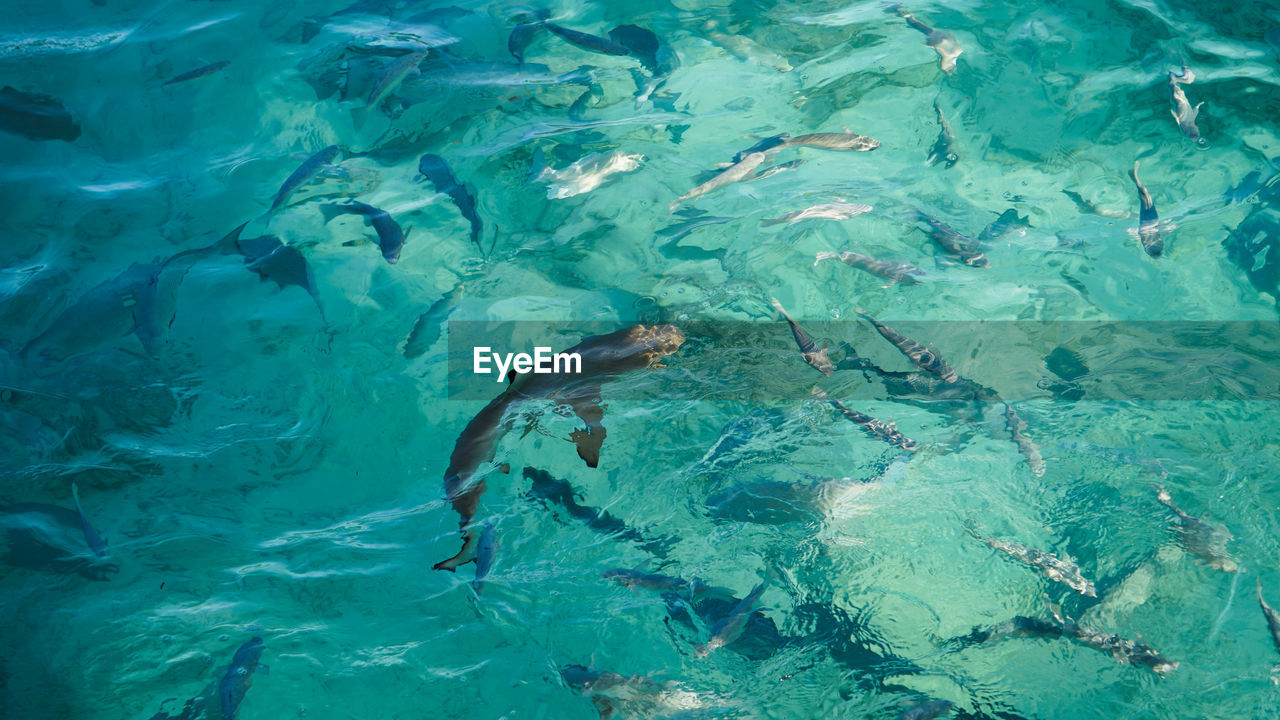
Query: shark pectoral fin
x=505, y=468
x=1195, y=111
x=465, y=555
x=586, y=405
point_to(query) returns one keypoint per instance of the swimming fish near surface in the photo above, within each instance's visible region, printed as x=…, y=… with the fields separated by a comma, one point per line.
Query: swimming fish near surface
x=95, y=541
x=943, y=150
x=36, y=116
x=436, y=170
x=392, y=75
x=305, y=173
x=885, y=432
x=391, y=236
x=888, y=269
x=1203, y=540
x=816, y=357
x=1148, y=220
x=730, y=628
x=834, y=141
x=604, y=357
x=958, y=246
x=587, y=41
x=426, y=330
x=745, y=49
x=239, y=676
x=922, y=357
x=943, y=42
x=1183, y=113
x=1057, y=569
x=738, y=171
x=199, y=72
x=1273, y=618
x=839, y=210
x=584, y=175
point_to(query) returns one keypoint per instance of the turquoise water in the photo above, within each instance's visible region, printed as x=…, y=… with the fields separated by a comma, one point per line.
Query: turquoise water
x=263, y=445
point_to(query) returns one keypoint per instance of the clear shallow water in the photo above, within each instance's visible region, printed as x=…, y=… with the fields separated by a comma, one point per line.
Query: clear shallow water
x=271, y=466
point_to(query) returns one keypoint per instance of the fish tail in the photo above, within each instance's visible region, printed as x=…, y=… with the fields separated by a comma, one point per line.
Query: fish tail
x=824, y=255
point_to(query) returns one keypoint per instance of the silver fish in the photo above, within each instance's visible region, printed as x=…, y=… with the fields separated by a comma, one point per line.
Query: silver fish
x=943, y=42
x=730, y=175
x=834, y=141
x=486, y=548
x=887, y=269
x=1050, y=565
x=1182, y=112
x=585, y=175
x=839, y=210
x=393, y=75
x=1203, y=540
x=746, y=49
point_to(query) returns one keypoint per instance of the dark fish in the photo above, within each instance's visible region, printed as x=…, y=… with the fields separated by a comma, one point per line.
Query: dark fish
x=271, y=259
x=588, y=99
x=390, y=235
x=1273, y=618
x=1086, y=206
x=655, y=55
x=943, y=150
x=546, y=488
x=888, y=269
x=1254, y=247
x=738, y=171
x=921, y=356
x=1183, y=113
x=586, y=41
x=435, y=169
x=1019, y=627
x=1051, y=566
x=235, y=683
x=731, y=626
x=953, y=243
x=486, y=548
x=1122, y=649
x=1008, y=222
x=392, y=75
x=44, y=537
x=764, y=145
x=886, y=432
x=91, y=537
x=814, y=355
x=523, y=34
x=834, y=141
x=305, y=173
x=199, y=72
x=141, y=300
x=1148, y=220
x=604, y=357
x=427, y=328
x=1202, y=539
x=36, y=116
x=927, y=710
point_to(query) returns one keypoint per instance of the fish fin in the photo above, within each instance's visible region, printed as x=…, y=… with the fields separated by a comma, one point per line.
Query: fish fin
x=465, y=555
x=331, y=211
x=357, y=242
x=1195, y=111
x=505, y=469
x=589, y=439
x=538, y=166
